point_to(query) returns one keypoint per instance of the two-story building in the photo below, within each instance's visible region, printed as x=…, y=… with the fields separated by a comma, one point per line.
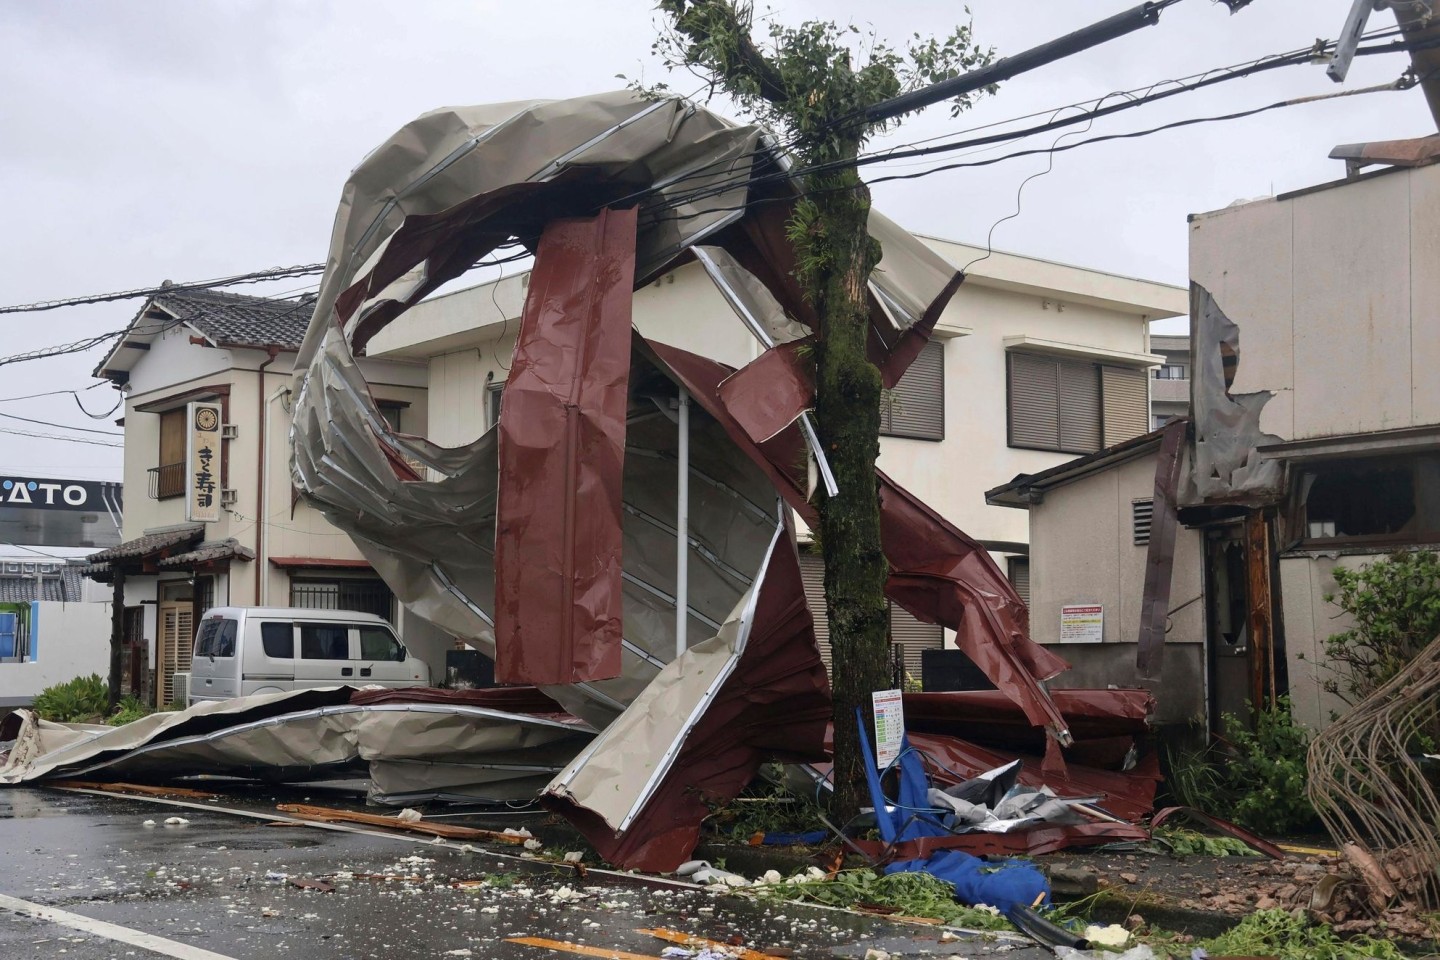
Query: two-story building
x=1031, y=363
x=251, y=541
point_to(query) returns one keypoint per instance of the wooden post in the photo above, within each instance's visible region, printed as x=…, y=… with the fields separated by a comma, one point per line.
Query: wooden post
x=117, y=634
x=1261, y=611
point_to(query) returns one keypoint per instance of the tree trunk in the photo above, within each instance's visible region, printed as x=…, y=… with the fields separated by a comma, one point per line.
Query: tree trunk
x=848, y=395
x=117, y=637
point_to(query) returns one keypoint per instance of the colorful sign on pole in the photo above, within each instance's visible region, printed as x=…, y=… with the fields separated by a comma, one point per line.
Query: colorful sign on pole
x=203, y=459
x=889, y=726
x=1082, y=623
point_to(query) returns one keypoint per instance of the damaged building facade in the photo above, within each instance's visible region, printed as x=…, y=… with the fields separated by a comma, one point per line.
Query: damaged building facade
x=1316, y=403
x=1314, y=444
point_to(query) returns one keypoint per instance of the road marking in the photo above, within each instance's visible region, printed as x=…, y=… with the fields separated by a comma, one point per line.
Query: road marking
x=583, y=949
x=686, y=940
x=110, y=931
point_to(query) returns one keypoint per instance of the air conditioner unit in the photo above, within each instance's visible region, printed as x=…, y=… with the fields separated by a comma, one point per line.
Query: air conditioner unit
x=182, y=687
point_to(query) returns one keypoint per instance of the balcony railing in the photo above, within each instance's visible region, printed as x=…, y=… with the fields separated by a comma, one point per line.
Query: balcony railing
x=167, y=481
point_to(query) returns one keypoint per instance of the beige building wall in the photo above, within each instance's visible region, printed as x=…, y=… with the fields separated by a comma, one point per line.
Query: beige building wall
x=1083, y=552
x=1342, y=324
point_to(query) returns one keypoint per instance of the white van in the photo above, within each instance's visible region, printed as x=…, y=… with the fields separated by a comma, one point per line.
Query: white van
x=245, y=650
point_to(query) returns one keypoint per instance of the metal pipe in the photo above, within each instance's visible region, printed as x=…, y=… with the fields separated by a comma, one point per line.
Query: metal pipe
x=260, y=465
x=1143, y=15
x=260, y=572
x=682, y=525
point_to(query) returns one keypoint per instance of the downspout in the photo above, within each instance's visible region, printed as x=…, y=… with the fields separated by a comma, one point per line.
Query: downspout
x=260, y=498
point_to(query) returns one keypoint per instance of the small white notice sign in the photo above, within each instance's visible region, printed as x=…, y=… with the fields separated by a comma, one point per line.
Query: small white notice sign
x=1082, y=623
x=889, y=726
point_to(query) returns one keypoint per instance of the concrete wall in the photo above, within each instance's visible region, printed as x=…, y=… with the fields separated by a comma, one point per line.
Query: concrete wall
x=67, y=640
x=1342, y=326
x=1083, y=551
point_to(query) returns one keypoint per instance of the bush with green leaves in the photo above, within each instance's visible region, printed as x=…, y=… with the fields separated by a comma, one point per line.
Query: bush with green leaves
x=127, y=710
x=1394, y=606
x=1254, y=777
x=74, y=701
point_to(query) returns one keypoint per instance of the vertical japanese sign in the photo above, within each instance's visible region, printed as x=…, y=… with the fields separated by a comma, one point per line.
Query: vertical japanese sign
x=889, y=726
x=203, y=461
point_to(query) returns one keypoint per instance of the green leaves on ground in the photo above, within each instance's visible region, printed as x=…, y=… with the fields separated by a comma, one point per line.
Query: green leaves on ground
x=1284, y=936
x=1180, y=842
x=908, y=894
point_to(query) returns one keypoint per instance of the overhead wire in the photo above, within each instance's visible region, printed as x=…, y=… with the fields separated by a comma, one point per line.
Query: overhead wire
x=62, y=426
x=52, y=436
x=256, y=276
x=1152, y=94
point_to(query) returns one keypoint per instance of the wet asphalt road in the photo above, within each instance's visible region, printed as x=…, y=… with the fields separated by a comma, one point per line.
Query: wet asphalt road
x=229, y=885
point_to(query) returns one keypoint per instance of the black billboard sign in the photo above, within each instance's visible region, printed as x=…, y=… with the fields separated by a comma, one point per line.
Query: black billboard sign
x=46, y=512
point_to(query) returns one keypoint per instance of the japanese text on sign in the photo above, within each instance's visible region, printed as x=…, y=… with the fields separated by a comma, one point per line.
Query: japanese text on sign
x=889, y=726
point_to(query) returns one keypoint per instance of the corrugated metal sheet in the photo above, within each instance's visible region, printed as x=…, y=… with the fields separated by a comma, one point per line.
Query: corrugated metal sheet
x=1127, y=403
x=916, y=407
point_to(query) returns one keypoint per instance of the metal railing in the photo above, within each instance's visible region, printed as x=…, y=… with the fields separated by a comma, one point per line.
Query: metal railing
x=167, y=481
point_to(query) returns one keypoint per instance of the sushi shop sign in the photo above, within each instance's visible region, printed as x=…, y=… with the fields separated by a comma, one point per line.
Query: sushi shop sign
x=203, y=460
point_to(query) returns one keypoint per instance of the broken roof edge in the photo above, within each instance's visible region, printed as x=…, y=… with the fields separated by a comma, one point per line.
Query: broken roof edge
x=1028, y=489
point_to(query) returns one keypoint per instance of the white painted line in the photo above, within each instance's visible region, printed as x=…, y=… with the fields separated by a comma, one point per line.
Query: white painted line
x=110, y=931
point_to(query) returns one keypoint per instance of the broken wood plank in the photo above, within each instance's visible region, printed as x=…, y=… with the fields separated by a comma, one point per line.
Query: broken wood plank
x=446, y=830
x=135, y=788
x=584, y=950
x=689, y=940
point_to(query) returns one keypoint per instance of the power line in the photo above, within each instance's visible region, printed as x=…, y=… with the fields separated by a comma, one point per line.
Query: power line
x=51, y=436
x=62, y=426
x=257, y=276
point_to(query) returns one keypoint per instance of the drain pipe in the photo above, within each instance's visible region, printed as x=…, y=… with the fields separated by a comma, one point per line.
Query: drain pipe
x=682, y=526
x=261, y=489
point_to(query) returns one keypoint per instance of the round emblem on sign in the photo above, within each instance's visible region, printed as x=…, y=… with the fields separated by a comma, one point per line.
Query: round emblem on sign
x=206, y=419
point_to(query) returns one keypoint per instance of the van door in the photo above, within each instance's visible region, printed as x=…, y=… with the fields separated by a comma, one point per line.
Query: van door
x=268, y=656
x=214, y=667
x=326, y=657
x=382, y=658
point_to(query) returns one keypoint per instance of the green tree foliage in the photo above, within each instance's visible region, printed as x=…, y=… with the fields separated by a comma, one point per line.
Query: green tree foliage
x=813, y=82
x=1394, y=604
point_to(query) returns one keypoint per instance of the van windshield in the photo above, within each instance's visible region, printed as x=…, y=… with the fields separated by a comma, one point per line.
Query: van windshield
x=216, y=638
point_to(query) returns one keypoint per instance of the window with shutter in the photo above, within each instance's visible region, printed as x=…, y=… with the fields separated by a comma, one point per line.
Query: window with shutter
x=1127, y=403
x=1019, y=570
x=915, y=409
x=1054, y=404
x=913, y=637
x=812, y=572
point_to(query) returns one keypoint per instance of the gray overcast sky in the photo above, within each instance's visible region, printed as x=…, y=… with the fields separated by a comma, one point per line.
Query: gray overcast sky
x=186, y=139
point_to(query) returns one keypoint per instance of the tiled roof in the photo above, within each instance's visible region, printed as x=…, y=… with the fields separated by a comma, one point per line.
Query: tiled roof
x=1169, y=342
x=240, y=320
x=23, y=582
x=150, y=543
x=205, y=552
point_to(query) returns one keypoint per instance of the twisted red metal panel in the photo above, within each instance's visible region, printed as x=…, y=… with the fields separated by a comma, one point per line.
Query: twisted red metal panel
x=562, y=450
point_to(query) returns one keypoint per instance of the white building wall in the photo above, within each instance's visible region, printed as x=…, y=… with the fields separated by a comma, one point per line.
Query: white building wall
x=67, y=640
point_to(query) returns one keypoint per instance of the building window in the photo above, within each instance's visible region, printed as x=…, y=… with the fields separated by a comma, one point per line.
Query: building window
x=391, y=413
x=1382, y=500
x=1018, y=570
x=365, y=594
x=1074, y=406
x=915, y=409
x=493, y=394
x=1171, y=371
x=1163, y=418
x=168, y=478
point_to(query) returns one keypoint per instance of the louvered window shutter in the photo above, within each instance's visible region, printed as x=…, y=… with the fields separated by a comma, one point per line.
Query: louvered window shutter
x=1020, y=577
x=1079, y=407
x=812, y=573
x=1127, y=403
x=916, y=407
x=913, y=636
x=1140, y=514
x=1034, y=402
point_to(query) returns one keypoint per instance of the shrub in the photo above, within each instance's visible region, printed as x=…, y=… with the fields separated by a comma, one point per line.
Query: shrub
x=1395, y=605
x=128, y=709
x=74, y=701
x=1265, y=775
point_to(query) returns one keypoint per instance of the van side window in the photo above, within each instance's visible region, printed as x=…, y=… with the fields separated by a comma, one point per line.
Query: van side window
x=216, y=639
x=278, y=639
x=377, y=643
x=324, y=641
